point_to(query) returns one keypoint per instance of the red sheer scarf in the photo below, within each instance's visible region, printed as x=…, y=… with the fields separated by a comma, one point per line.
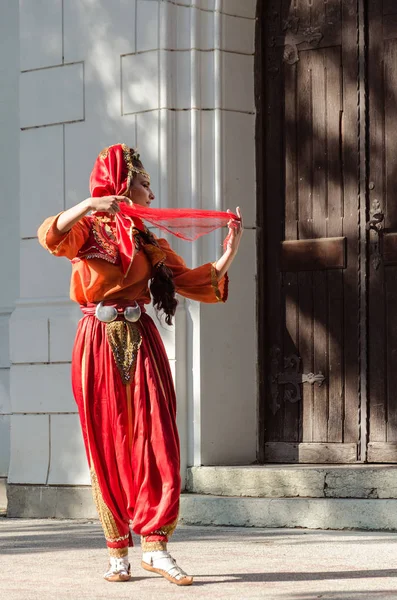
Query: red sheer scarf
x=112, y=175
x=187, y=224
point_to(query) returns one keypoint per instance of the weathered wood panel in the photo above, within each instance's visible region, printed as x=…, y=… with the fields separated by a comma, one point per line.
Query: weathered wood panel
x=391, y=352
x=315, y=453
x=389, y=6
x=313, y=255
x=312, y=167
x=382, y=452
x=389, y=248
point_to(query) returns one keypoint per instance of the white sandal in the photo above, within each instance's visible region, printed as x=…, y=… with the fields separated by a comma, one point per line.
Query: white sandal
x=161, y=562
x=119, y=569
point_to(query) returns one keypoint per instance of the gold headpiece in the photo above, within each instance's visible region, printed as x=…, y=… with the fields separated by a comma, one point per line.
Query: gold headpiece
x=129, y=155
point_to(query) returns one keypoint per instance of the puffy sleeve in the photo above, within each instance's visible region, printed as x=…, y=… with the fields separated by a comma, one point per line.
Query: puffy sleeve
x=63, y=244
x=197, y=284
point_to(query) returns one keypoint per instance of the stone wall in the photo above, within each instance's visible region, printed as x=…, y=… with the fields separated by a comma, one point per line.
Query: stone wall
x=9, y=208
x=175, y=79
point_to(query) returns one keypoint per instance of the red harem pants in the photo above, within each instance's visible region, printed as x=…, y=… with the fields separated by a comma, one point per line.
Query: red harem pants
x=125, y=395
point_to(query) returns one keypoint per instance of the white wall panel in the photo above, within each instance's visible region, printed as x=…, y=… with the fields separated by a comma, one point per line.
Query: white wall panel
x=207, y=161
x=9, y=205
x=41, y=180
x=4, y=341
x=29, y=339
x=148, y=144
x=43, y=275
x=29, y=449
x=183, y=158
x=206, y=29
x=238, y=82
x=147, y=30
x=4, y=444
x=242, y=8
x=68, y=463
x=180, y=63
x=238, y=157
x=206, y=4
x=42, y=389
x=182, y=18
x=9, y=154
x=62, y=332
x=238, y=35
x=96, y=31
x=207, y=80
x=40, y=33
x=140, y=77
x=50, y=96
x=5, y=402
x=83, y=143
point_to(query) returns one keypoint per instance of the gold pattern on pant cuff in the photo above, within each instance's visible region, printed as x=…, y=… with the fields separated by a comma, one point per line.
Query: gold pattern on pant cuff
x=118, y=552
x=152, y=546
x=109, y=526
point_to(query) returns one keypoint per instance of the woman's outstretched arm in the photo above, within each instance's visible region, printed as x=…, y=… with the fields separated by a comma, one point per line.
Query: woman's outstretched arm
x=233, y=241
x=73, y=215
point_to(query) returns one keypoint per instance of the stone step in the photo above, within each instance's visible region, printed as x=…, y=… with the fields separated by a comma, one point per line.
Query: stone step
x=197, y=509
x=295, y=481
x=309, y=513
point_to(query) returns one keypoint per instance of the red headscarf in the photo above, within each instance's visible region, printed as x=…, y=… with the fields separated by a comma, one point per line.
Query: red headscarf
x=112, y=175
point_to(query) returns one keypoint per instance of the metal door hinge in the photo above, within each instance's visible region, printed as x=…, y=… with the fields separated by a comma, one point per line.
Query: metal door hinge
x=289, y=377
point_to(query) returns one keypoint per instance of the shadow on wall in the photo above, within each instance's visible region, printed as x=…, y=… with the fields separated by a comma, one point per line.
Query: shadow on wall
x=117, y=83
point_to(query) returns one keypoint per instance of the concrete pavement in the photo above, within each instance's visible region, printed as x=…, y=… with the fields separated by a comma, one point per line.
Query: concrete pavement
x=65, y=560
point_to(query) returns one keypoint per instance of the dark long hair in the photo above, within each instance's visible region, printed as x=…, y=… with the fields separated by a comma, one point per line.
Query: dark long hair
x=162, y=286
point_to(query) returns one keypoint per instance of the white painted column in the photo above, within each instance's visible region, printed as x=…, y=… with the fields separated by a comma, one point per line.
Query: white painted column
x=223, y=416
x=9, y=208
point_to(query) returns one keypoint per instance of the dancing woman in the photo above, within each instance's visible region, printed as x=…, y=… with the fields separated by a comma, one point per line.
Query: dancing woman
x=120, y=372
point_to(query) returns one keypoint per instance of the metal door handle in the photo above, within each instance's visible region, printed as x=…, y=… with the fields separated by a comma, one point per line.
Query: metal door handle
x=376, y=221
x=375, y=224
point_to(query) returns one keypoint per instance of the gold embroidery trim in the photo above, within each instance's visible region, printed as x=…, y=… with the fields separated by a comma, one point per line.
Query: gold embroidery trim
x=109, y=526
x=125, y=340
x=215, y=283
x=152, y=546
x=99, y=236
x=167, y=530
x=118, y=552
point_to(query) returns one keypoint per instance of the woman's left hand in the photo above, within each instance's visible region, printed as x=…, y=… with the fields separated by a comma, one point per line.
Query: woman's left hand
x=236, y=229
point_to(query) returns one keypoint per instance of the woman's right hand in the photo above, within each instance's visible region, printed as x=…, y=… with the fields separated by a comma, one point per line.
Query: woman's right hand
x=108, y=204
x=70, y=217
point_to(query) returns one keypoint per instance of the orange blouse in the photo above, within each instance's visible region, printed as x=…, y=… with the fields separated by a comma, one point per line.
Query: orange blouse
x=95, y=279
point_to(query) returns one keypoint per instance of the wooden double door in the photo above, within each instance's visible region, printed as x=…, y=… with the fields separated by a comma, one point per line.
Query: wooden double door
x=327, y=234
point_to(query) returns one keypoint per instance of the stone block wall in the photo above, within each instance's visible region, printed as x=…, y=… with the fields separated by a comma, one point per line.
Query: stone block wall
x=176, y=80
x=9, y=208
